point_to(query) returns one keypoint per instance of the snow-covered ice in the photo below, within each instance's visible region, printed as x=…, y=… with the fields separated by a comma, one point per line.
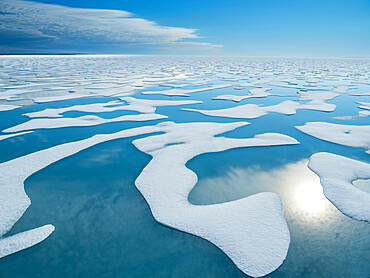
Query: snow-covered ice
x=89, y=120
x=7, y=107
x=139, y=105
x=249, y=111
x=6, y=136
x=23, y=240
x=254, y=93
x=312, y=95
x=149, y=105
x=348, y=135
x=364, y=105
x=185, y=92
x=252, y=231
x=59, y=98
x=336, y=176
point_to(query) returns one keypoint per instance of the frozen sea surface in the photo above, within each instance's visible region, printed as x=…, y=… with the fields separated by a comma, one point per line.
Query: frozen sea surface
x=104, y=227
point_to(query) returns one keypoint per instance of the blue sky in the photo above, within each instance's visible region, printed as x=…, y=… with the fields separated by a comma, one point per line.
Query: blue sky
x=236, y=27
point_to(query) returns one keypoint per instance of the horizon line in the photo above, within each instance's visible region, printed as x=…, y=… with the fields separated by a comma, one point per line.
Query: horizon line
x=174, y=55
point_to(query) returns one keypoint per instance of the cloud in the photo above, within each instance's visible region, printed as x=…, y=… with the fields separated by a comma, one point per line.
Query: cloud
x=57, y=24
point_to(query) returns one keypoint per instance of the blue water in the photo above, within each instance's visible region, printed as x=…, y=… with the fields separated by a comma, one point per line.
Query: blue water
x=104, y=228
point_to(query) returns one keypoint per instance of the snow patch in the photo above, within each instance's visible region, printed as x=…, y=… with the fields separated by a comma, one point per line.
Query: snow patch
x=140, y=105
x=250, y=111
x=89, y=120
x=6, y=136
x=23, y=240
x=347, y=135
x=8, y=107
x=336, y=176
x=252, y=231
x=254, y=93
x=185, y=93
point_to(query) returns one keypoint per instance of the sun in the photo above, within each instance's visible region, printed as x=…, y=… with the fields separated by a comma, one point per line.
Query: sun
x=310, y=197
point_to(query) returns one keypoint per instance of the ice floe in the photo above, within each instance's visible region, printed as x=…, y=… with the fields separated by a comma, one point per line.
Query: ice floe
x=139, y=105
x=252, y=231
x=188, y=84
x=336, y=176
x=251, y=84
x=149, y=105
x=360, y=94
x=364, y=105
x=254, y=93
x=8, y=107
x=311, y=95
x=292, y=86
x=91, y=108
x=89, y=120
x=341, y=88
x=6, y=136
x=348, y=135
x=249, y=111
x=23, y=240
x=59, y=98
x=185, y=92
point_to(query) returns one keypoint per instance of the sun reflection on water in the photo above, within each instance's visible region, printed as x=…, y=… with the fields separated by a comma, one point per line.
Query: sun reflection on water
x=299, y=188
x=310, y=198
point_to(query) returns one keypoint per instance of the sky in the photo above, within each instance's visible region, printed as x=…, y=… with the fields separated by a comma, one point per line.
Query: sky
x=299, y=28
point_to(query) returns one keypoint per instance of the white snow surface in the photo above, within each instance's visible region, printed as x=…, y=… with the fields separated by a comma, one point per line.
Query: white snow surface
x=6, y=136
x=139, y=105
x=149, y=105
x=252, y=231
x=254, y=93
x=336, y=176
x=292, y=86
x=360, y=94
x=364, y=105
x=89, y=120
x=185, y=93
x=23, y=240
x=91, y=108
x=7, y=107
x=312, y=95
x=348, y=135
x=249, y=111
x=59, y=98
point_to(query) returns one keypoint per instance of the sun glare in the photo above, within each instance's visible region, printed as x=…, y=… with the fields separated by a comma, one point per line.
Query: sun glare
x=310, y=197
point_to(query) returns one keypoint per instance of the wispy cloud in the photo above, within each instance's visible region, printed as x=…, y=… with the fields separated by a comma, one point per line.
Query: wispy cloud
x=55, y=24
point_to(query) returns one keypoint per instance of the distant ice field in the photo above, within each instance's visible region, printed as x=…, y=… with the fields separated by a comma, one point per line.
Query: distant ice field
x=174, y=166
